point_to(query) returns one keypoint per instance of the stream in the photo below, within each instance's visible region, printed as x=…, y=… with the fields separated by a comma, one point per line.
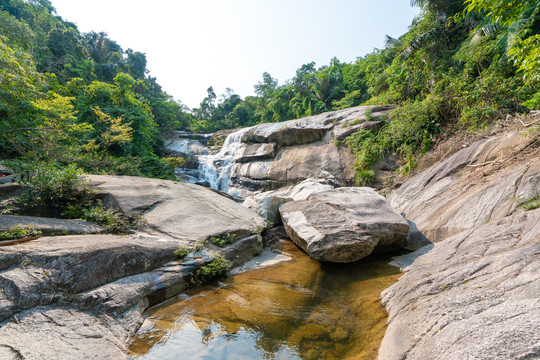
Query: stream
x=296, y=309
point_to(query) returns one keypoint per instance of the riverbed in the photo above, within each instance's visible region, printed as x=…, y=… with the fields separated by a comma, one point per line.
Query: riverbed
x=296, y=309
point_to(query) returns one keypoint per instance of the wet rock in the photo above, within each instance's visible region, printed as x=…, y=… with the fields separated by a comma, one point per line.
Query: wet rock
x=343, y=225
x=473, y=296
x=49, y=226
x=186, y=212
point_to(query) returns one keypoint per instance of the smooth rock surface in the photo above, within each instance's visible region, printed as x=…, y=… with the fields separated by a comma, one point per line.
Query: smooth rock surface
x=82, y=297
x=49, y=226
x=344, y=224
x=254, y=152
x=291, y=166
x=42, y=271
x=469, y=189
x=186, y=212
x=266, y=204
x=473, y=296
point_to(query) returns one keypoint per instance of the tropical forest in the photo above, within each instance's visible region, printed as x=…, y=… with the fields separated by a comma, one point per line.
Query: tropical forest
x=383, y=208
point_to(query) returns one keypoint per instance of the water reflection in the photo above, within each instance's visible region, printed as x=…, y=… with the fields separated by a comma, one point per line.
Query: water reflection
x=299, y=309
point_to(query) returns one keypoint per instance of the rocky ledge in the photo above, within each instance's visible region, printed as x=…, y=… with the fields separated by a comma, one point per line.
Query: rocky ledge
x=474, y=293
x=473, y=296
x=82, y=296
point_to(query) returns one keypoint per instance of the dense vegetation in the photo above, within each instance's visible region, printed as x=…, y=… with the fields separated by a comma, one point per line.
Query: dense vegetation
x=73, y=98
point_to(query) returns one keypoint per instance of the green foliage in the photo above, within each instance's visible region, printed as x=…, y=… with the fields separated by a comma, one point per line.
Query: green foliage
x=216, y=269
x=154, y=167
x=368, y=115
x=68, y=97
x=19, y=233
x=530, y=203
x=223, y=240
x=182, y=252
x=175, y=162
x=48, y=185
x=364, y=178
x=110, y=219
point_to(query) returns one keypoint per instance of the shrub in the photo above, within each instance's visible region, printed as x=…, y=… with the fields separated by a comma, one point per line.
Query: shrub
x=368, y=115
x=112, y=220
x=531, y=203
x=182, y=251
x=365, y=178
x=218, y=268
x=152, y=166
x=223, y=240
x=175, y=162
x=49, y=185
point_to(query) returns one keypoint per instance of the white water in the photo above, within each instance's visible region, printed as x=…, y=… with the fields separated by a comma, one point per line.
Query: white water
x=216, y=169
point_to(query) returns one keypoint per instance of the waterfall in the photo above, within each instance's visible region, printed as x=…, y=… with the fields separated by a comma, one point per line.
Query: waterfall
x=216, y=169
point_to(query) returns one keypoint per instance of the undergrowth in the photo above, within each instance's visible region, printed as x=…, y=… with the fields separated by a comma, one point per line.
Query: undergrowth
x=216, y=269
x=19, y=233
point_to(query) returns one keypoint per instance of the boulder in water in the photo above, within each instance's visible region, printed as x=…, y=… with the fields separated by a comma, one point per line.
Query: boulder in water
x=266, y=204
x=344, y=224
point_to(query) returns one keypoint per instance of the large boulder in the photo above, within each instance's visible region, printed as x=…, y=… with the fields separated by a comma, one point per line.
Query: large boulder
x=267, y=203
x=185, y=212
x=473, y=296
x=344, y=224
x=481, y=183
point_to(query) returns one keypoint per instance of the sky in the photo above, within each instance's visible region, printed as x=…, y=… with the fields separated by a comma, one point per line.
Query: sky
x=191, y=45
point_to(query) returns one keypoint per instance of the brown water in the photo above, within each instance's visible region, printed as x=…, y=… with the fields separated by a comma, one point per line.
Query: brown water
x=298, y=309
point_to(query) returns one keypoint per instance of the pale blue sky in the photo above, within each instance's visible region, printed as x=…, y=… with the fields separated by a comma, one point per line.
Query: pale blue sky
x=191, y=45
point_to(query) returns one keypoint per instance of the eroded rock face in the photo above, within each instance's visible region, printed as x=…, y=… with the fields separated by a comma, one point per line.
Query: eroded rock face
x=291, y=166
x=473, y=296
x=470, y=188
x=343, y=225
x=186, y=212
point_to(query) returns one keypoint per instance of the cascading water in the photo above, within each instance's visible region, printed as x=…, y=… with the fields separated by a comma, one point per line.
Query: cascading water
x=216, y=169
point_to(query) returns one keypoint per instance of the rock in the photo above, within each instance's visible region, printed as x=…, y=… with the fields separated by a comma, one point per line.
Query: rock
x=245, y=249
x=4, y=170
x=343, y=225
x=473, y=296
x=291, y=166
x=288, y=133
x=8, y=179
x=257, y=152
x=83, y=296
x=37, y=272
x=308, y=129
x=470, y=188
x=186, y=212
x=341, y=132
x=49, y=226
x=10, y=189
x=266, y=204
